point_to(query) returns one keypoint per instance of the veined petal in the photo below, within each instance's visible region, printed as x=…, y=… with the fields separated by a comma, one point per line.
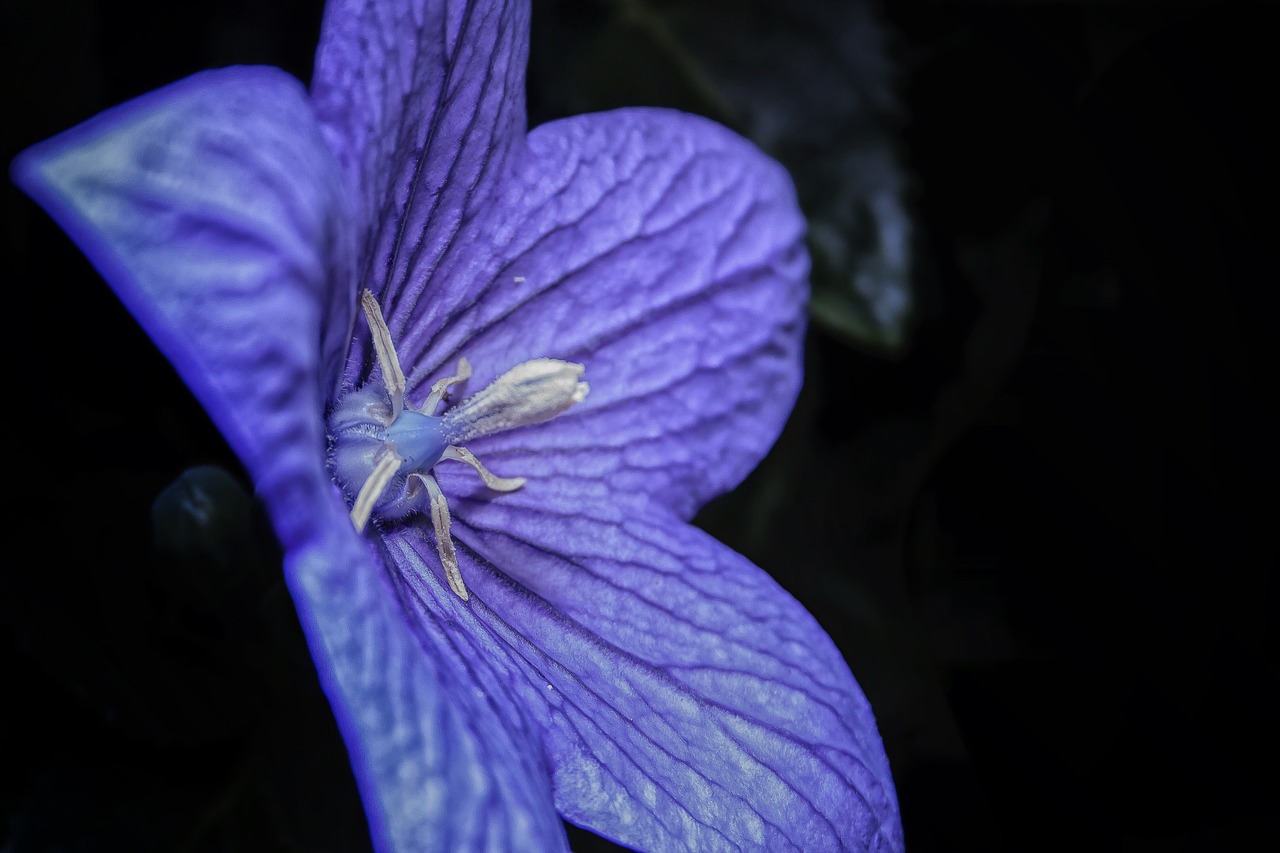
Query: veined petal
x=666, y=255
x=446, y=759
x=216, y=212
x=423, y=100
x=686, y=701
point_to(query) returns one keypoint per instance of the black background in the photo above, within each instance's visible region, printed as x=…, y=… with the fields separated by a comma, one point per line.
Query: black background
x=1040, y=531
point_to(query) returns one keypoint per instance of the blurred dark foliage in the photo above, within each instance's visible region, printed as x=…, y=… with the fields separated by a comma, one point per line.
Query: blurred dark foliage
x=810, y=81
x=1038, y=524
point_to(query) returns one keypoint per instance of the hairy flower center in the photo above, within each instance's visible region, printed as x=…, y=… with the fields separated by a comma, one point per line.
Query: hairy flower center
x=382, y=452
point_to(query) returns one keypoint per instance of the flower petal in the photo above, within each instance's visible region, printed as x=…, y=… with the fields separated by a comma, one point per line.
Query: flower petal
x=444, y=758
x=686, y=701
x=423, y=101
x=666, y=254
x=216, y=212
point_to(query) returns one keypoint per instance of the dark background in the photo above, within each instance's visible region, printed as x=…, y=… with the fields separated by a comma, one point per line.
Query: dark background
x=1034, y=510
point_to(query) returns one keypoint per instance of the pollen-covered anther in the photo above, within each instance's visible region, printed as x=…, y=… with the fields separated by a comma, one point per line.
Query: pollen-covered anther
x=392, y=375
x=371, y=490
x=491, y=480
x=438, y=390
x=386, y=454
x=529, y=393
x=444, y=539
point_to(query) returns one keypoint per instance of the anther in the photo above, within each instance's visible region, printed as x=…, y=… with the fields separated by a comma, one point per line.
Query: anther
x=373, y=488
x=444, y=540
x=392, y=375
x=441, y=387
x=492, y=481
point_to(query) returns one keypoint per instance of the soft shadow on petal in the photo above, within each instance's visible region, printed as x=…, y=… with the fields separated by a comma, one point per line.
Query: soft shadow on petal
x=217, y=214
x=423, y=101
x=446, y=760
x=664, y=253
x=687, y=702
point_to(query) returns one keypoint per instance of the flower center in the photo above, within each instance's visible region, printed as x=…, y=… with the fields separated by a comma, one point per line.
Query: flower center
x=382, y=452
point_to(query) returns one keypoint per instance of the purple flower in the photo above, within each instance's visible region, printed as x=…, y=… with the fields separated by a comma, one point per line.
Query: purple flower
x=596, y=656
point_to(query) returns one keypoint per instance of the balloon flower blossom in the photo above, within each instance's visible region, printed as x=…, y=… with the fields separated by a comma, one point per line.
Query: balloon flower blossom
x=482, y=377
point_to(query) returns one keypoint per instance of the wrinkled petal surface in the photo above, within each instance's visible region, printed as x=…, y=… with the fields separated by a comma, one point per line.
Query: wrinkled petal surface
x=217, y=213
x=664, y=253
x=446, y=761
x=686, y=701
x=424, y=103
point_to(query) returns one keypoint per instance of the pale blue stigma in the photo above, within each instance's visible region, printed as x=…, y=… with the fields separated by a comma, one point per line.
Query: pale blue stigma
x=418, y=439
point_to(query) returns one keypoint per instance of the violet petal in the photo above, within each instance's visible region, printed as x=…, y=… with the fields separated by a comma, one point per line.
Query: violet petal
x=666, y=254
x=423, y=103
x=217, y=214
x=444, y=760
x=685, y=701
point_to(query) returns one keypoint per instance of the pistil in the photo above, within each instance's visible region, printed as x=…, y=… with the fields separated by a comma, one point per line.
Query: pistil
x=386, y=455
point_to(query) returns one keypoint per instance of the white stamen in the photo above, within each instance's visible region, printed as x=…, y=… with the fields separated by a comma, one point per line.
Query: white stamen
x=529, y=393
x=373, y=488
x=498, y=484
x=444, y=541
x=441, y=387
x=392, y=375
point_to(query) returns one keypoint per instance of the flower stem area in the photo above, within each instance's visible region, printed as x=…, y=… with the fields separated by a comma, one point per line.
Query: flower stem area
x=1018, y=489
